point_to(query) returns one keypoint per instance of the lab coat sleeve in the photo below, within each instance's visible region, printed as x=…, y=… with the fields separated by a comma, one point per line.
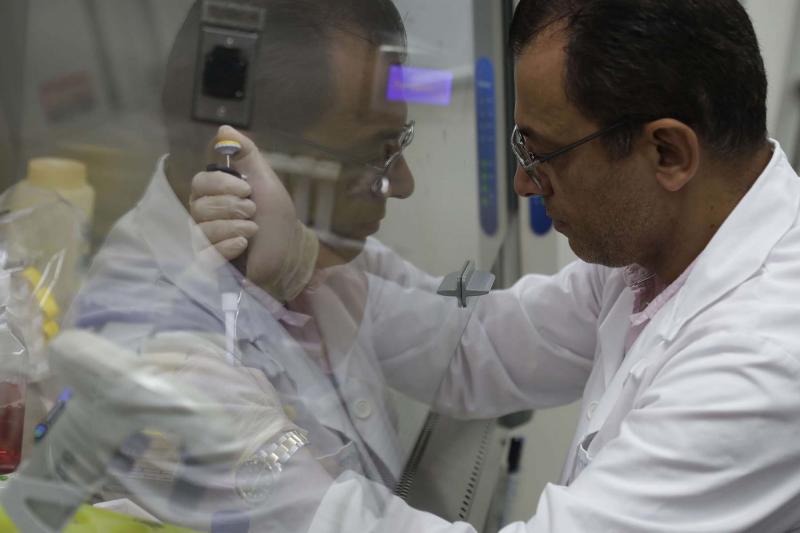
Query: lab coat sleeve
x=383, y=262
x=710, y=446
x=531, y=346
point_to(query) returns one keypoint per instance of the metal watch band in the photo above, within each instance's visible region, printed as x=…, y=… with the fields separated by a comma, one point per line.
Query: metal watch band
x=257, y=475
x=287, y=445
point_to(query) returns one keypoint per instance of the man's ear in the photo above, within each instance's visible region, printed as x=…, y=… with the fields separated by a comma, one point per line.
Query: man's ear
x=676, y=154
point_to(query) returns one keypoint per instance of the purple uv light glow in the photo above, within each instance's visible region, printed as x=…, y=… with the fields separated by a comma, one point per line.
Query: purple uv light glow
x=416, y=85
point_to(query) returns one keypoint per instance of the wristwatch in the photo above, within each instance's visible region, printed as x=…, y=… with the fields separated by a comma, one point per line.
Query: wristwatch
x=256, y=476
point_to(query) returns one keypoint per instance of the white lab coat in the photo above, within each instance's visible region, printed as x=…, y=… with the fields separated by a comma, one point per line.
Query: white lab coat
x=695, y=429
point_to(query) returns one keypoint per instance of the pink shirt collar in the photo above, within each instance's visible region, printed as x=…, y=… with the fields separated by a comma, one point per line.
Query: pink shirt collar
x=650, y=296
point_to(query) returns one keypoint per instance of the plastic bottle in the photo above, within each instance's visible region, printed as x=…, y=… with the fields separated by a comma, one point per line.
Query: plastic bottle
x=65, y=235
x=66, y=177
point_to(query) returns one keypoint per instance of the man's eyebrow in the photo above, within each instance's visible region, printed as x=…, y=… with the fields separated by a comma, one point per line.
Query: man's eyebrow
x=364, y=145
x=534, y=136
x=388, y=134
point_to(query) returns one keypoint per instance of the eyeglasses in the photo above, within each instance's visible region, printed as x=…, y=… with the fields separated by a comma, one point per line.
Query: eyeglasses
x=403, y=141
x=380, y=185
x=379, y=170
x=531, y=162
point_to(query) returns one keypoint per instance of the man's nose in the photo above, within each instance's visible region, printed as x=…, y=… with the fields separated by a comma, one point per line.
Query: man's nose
x=401, y=179
x=525, y=186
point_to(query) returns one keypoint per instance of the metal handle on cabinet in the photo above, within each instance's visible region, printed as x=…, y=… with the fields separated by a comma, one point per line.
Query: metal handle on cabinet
x=465, y=283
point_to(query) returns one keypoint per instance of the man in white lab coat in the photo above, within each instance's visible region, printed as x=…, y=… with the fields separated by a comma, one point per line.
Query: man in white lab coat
x=642, y=125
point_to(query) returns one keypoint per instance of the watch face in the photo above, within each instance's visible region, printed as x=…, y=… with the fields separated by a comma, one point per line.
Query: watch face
x=256, y=477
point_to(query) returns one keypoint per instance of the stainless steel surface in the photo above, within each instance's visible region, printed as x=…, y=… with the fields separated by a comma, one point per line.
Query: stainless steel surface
x=455, y=468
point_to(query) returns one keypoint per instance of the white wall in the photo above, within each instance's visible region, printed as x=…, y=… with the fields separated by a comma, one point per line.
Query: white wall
x=776, y=23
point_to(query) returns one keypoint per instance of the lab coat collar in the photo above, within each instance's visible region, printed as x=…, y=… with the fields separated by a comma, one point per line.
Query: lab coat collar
x=173, y=238
x=742, y=244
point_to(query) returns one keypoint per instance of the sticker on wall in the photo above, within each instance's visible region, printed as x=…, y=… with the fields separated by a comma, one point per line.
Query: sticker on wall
x=541, y=224
x=67, y=96
x=416, y=85
x=486, y=100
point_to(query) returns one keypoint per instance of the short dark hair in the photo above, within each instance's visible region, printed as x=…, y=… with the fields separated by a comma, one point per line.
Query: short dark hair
x=294, y=78
x=697, y=61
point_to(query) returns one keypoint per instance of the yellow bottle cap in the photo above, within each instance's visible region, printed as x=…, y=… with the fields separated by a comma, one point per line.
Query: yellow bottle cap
x=50, y=329
x=32, y=275
x=56, y=173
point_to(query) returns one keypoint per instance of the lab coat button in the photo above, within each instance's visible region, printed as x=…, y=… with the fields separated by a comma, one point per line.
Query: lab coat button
x=362, y=408
x=590, y=410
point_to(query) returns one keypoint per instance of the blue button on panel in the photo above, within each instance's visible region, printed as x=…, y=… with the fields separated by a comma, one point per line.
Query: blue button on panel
x=485, y=94
x=540, y=222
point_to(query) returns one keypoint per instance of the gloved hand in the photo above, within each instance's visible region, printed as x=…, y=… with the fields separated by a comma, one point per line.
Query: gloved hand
x=177, y=388
x=257, y=215
x=196, y=362
x=179, y=383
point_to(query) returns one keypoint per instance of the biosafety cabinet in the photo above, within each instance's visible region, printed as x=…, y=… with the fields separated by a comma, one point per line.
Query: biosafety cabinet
x=83, y=81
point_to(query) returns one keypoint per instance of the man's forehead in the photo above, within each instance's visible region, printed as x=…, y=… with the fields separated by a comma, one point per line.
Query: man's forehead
x=541, y=101
x=546, y=53
x=360, y=73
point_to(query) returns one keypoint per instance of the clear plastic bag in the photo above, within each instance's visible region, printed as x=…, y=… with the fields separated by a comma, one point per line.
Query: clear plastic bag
x=42, y=258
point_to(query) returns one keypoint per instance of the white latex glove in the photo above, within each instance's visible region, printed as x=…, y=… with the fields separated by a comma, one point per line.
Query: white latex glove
x=197, y=362
x=179, y=382
x=178, y=386
x=256, y=215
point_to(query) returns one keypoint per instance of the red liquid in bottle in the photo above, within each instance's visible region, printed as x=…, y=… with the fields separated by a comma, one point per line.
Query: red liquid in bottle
x=12, y=420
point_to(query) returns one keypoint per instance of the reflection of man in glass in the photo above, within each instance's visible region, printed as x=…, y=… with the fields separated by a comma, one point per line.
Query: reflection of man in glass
x=319, y=82
x=319, y=79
